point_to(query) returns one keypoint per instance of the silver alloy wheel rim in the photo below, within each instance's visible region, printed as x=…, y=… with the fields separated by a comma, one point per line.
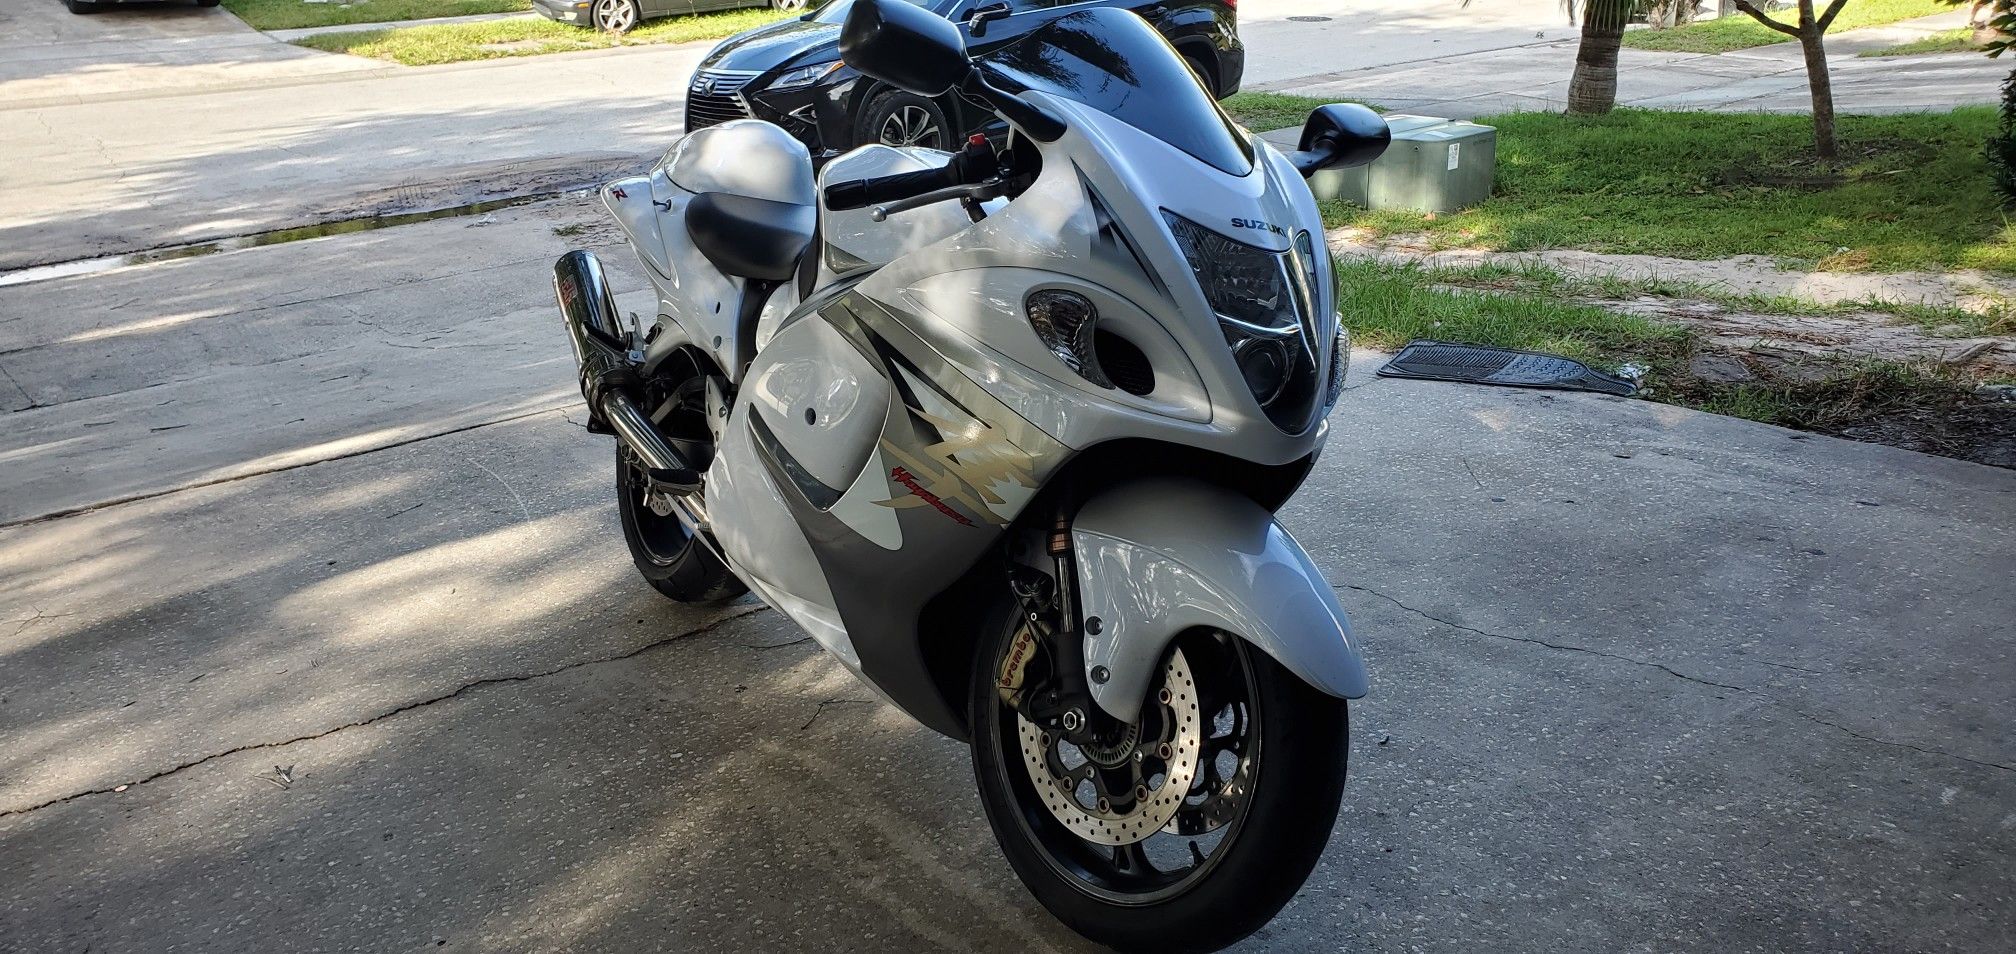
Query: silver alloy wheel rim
x=1106, y=827
x=789, y=6
x=615, y=16
x=910, y=126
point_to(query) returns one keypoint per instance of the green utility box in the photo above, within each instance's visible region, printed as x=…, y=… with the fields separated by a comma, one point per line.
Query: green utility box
x=1434, y=165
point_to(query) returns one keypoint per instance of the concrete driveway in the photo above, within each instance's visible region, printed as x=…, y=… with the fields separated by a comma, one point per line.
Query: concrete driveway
x=361, y=663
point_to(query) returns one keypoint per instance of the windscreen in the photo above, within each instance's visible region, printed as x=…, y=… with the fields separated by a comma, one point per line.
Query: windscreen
x=1113, y=61
x=835, y=11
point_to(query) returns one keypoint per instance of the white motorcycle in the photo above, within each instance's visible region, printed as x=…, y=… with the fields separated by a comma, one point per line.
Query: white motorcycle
x=1004, y=431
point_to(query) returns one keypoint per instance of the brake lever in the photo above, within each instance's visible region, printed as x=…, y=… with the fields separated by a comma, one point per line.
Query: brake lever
x=978, y=192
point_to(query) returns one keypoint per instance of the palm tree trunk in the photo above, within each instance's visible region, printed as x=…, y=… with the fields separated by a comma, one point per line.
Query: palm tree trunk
x=1592, y=90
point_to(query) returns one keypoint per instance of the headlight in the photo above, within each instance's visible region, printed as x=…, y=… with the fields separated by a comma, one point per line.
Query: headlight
x=803, y=76
x=1260, y=298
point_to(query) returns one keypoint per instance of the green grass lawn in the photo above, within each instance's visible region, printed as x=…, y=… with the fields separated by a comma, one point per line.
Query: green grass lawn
x=1945, y=41
x=290, y=14
x=455, y=42
x=1912, y=192
x=1738, y=31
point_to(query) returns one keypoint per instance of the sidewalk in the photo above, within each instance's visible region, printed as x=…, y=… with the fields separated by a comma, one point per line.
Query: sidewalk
x=1762, y=79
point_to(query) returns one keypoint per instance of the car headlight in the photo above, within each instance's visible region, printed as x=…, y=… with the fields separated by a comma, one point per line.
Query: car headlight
x=1260, y=299
x=803, y=76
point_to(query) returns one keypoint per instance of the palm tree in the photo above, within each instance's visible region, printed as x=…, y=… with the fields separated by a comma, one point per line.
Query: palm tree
x=1592, y=90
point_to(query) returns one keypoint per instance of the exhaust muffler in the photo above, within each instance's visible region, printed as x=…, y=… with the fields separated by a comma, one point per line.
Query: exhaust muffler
x=608, y=364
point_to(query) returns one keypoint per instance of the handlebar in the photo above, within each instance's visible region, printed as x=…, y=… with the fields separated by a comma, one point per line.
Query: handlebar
x=974, y=164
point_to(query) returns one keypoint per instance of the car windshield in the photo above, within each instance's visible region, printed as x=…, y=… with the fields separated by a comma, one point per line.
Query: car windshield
x=1113, y=61
x=835, y=11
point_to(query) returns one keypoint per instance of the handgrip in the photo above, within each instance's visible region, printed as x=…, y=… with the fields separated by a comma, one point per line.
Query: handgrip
x=861, y=193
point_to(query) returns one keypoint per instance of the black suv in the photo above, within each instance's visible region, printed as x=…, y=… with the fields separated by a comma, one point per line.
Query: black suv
x=790, y=72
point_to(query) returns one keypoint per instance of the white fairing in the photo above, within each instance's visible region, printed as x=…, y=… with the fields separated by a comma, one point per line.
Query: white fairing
x=744, y=157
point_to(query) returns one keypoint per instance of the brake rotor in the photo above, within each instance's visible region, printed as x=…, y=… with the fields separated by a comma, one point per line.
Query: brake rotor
x=1123, y=818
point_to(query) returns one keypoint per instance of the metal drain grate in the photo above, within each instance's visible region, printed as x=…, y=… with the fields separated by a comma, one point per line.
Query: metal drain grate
x=1479, y=364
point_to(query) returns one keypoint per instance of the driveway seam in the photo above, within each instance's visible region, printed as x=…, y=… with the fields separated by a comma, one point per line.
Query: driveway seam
x=1764, y=697
x=408, y=707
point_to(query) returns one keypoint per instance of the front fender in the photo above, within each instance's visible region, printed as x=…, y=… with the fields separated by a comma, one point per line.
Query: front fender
x=1160, y=556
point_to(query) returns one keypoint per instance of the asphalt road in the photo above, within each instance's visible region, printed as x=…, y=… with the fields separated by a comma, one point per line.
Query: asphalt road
x=361, y=664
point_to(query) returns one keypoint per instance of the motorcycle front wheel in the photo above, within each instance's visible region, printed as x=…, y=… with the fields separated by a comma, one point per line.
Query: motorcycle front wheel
x=1183, y=832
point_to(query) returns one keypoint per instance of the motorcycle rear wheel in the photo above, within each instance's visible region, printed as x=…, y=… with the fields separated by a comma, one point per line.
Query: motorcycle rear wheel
x=1291, y=769
x=668, y=554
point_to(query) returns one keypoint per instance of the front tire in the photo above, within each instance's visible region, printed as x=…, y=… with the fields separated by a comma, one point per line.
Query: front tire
x=897, y=118
x=83, y=6
x=1291, y=770
x=615, y=16
x=668, y=554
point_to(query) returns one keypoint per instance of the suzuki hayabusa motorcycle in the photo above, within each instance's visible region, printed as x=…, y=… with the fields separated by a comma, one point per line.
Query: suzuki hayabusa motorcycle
x=1004, y=431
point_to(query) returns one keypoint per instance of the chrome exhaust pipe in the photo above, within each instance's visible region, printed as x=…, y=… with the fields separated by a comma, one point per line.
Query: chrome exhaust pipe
x=608, y=366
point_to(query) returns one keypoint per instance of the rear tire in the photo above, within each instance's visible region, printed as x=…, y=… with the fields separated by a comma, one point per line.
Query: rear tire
x=1266, y=851
x=208, y=3
x=83, y=6
x=671, y=558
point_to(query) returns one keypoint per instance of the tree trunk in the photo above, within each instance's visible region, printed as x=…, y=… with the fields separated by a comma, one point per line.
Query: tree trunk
x=1592, y=90
x=1813, y=43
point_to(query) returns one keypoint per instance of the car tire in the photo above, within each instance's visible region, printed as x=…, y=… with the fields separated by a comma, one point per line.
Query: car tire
x=615, y=16
x=788, y=6
x=208, y=3
x=1205, y=73
x=897, y=118
x=83, y=6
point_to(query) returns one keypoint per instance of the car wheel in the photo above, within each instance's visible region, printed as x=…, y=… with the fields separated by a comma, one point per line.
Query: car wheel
x=614, y=16
x=896, y=118
x=1205, y=74
x=82, y=6
x=788, y=6
x=208, y=3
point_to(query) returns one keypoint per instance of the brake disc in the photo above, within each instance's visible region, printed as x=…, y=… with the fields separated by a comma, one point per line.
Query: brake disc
x=1171, y=757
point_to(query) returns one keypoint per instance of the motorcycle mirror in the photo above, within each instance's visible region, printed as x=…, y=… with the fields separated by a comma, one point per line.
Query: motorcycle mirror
x=904, y=45
x=1340, y=134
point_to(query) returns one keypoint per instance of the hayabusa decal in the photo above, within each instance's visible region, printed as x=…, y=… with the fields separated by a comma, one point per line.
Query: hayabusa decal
x=964, y=467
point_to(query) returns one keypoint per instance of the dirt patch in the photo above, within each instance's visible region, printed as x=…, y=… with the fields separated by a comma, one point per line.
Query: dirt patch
x=1810, y=172
x=1930, y=412
x=1742, y=275
x=1851, y=335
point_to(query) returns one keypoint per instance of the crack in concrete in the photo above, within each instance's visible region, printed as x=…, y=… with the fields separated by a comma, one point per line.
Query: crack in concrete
x=1746, y=690
x=408, y=707
x=821, y=710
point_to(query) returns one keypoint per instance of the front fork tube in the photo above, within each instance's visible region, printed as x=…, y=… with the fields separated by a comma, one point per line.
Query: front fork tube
x=1068, y=642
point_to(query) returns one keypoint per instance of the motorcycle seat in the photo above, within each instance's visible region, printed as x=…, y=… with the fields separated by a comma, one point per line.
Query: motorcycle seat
x=748, y=237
